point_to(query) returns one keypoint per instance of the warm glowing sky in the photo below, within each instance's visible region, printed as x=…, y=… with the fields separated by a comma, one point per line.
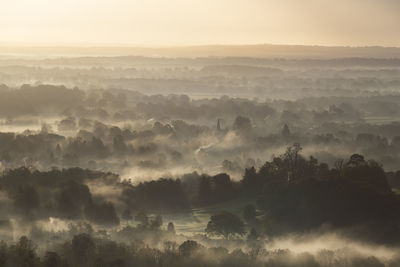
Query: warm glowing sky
x=188, y=22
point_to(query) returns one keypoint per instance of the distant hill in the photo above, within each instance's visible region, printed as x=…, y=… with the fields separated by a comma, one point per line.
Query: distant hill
x=260, y=51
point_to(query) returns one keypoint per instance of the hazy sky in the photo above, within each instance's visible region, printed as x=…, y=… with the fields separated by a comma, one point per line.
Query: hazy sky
x=190, y=22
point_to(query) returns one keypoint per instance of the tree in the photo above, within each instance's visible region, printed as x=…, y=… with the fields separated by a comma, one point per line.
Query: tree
x=356, y=160
x=292, y=159
x=156, y=222
x=204, y=190
x=225, y=224
x=249, y=213
x=242, y=125
x=3, y=253
x=24, y=253
x=368, y=173
x=72, y=198
x=222, y=187
x=27, y=198
x=119, y=144
x=142, y=218
x=52, y=259
x=253, y=235
x=251, y=181
x=285, y=131
x=339, y=167
x=102, y=213
x=171, y=228
x=189, y=247
x=83, y=249
x=126, y=214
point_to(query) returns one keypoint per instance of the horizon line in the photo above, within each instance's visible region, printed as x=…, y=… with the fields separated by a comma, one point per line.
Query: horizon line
x=163, y=46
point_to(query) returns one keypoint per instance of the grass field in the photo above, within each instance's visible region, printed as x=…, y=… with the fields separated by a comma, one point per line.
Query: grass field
x=195, y=220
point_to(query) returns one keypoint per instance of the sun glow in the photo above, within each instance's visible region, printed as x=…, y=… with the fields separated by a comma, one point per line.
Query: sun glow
x=189, y=22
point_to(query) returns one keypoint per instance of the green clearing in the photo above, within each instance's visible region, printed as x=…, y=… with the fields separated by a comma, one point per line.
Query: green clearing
x=195, y=220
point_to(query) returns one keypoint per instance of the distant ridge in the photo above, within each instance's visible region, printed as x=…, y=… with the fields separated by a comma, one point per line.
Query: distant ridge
x=259, y=51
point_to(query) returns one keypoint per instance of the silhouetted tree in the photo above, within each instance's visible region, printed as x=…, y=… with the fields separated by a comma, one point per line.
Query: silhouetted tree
x=251, y=180
x=27, y=198
x=204, y=191
x=23, y=254
x=171, y=228
x=285, y=131
x=52, y=259
x=222, y=190
x=225, y=224
x=103, y=213
x=249, y=213
x=83, y=250
x=156, y=222
x=142, y=218
x=189, y=247
x=293, y=160
x=126, y=214
x=355, y=160
x=253, y=235
x=242, y=125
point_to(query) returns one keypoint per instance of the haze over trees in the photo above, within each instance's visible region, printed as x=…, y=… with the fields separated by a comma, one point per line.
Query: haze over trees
x=206, y=161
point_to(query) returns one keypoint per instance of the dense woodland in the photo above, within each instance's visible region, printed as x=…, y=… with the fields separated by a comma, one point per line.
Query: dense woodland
x=135, y=161
x=294, y=194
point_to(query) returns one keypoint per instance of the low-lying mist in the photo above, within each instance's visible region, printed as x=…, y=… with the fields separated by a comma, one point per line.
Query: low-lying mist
x=139, y=161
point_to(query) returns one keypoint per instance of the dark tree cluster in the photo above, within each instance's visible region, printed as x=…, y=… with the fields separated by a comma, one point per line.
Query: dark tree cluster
x=292, y=194
x=83, y=250
x=300, y=194
x=57, y=193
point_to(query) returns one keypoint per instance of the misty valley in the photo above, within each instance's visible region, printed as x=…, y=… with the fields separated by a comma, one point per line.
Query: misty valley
x=112, y=160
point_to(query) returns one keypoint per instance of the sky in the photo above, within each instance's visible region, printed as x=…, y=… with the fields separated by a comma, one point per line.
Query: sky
x=200, y=22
